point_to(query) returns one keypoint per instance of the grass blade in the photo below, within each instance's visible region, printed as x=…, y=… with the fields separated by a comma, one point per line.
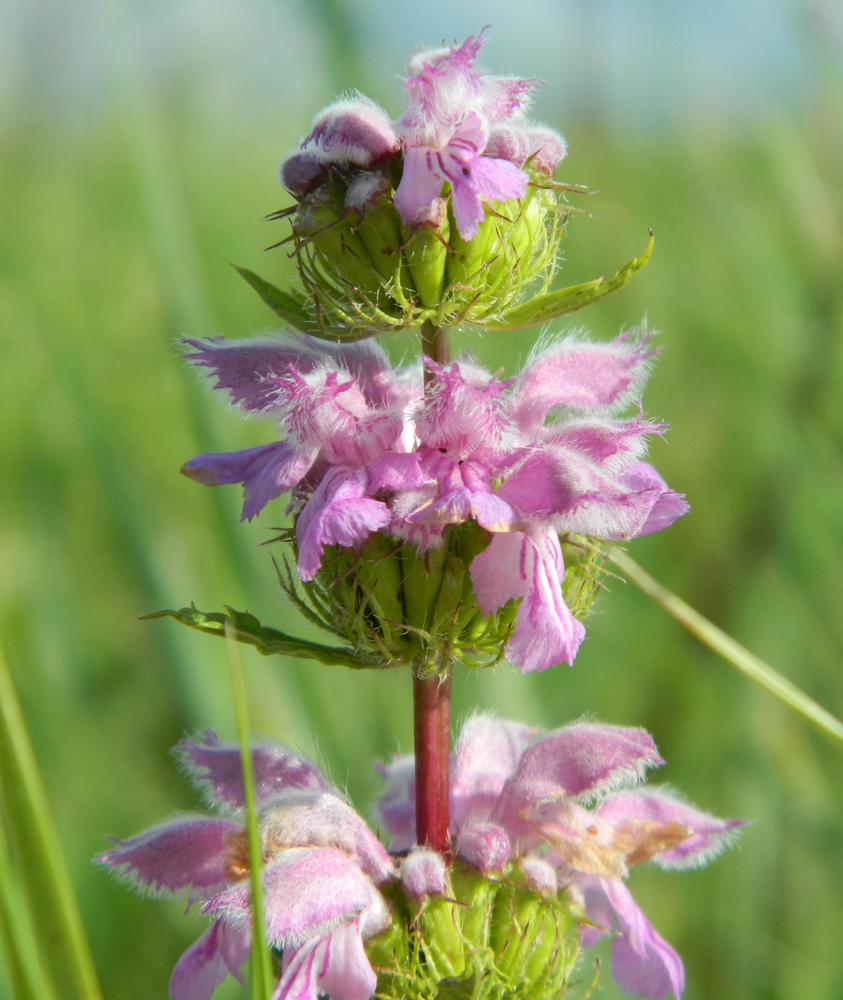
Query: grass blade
x=65, y=958
x=262, y=979
x=732, y=651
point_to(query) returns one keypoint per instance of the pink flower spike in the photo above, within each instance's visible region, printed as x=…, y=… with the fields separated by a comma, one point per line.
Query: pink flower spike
x=708, y=835
x=214, y=769
x=205, y=964
x=183, y=853
x=355, y=131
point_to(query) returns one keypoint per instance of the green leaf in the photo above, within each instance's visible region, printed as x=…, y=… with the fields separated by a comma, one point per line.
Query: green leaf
x=290, y=308
x=244, y=627
x=64, y=961
x=552, y=305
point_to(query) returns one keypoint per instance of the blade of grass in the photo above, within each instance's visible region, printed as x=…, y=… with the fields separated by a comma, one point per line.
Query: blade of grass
x=732, y=651
x=64, y=952
x=25, y=970
x=261, y=961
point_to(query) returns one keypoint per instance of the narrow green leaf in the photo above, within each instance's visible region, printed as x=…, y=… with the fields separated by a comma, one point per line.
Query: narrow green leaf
x=290, y=308
x=244, y=627
x=732, y=651
x=44, y=880
x=261, y=959
x=552, y=305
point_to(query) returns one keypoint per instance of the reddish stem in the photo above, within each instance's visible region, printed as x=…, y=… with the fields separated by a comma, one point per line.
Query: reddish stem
x=432, y=704
x=432, y=694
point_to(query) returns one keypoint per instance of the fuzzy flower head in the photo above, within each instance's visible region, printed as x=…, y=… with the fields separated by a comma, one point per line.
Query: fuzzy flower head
x=322, y=870
x=447, y=212
x=563, y=810
x=501, y=486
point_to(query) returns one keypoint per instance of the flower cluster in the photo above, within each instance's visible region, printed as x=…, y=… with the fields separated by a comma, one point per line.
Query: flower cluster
x=322, y=867
x=519, y=799
x=333, y=893
x=366, y=450
x=462, y=129
x=448, y=213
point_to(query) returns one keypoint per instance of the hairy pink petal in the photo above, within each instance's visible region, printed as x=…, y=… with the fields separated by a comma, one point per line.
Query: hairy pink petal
x=347, y=973
x=214, y=768
x=546, y=633
x=643, y=963
x=266, y=471
x=581, y=761
x=518, y=143
x=205, y=964
x=421, y=182
x=306, y=818
x=245, y=367
x=485, y=756
x=307, y=893
x=396, y=805
x=668, y=507
x=709, y=835
x=183, y=853
x=338, y=513
x=579, y=374
x=301, y=967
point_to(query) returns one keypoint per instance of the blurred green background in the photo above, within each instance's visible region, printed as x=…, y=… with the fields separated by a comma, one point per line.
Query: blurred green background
x=139, y=144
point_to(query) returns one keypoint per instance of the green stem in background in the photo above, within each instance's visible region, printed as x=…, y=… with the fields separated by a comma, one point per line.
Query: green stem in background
x=262, y=979
x=733, y=652
x=39, y=915
x=432, y=692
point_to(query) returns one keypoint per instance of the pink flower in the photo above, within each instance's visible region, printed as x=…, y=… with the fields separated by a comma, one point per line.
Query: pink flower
x=444, y=133
x=322, y=867
x=517, y=796
x=527, y=458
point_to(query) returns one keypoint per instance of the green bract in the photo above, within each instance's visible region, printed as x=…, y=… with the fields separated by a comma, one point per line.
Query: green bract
x=489, y=939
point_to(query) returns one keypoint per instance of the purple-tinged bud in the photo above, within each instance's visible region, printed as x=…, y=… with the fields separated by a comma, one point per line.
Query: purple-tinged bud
x=356, y=131
x=540, y=875
x=423, y=873
x=486, y=846
x=301, y=173
x=543, y=147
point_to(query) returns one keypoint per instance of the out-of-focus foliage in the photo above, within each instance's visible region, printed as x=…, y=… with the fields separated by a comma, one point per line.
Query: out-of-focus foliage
x=118, y=240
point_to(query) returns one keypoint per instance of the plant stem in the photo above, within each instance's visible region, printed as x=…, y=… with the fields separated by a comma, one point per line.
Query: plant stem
x=432, y=706
x=432, y=692
x=436, y=345
x=731, y=651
